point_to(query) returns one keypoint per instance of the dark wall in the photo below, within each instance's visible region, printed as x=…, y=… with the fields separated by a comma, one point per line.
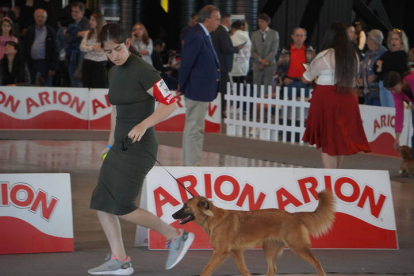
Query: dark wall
x=290, y=14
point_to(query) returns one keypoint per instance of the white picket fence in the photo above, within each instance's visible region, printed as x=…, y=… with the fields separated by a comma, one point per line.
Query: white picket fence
x=252, y=113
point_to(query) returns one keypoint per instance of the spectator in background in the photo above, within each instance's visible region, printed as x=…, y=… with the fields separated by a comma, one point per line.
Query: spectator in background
x=141, y=41
x=13, y=71
x=198, y=79
x=6, y=34
x=290, y=65
x=225, y=51
x=360, y=37
x=352, y=37
x=402, y=87
x=265, y=43
x=40, y=50
x=411, y=58
x=187, y=28
x=72, y=37
x=334, y=122
x=367, y=75
x=165, y=71
x=395, y=59
x=241, y=60
x=94, y=74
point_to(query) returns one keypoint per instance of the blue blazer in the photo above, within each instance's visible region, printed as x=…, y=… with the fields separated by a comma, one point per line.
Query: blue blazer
x=199, y=73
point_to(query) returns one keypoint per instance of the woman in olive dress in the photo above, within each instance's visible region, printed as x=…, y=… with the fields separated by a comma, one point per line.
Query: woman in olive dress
x=134, y=85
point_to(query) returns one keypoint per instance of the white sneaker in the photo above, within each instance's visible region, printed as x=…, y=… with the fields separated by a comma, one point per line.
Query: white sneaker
x=113, y=266
x=178, y=247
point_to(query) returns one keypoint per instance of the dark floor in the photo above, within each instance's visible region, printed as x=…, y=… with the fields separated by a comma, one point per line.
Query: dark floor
x=91, y=246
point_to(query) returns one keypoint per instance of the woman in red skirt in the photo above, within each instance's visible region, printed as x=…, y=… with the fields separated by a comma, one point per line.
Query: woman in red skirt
x=334, y=121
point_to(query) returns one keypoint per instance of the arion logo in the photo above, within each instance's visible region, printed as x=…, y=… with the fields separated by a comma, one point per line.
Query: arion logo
x=24, y=196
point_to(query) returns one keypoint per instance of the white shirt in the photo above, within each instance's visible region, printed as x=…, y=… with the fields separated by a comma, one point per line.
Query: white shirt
x=242, y=58
x=323, y=67
x=87, y=48
x=264, y=33
x=140, y=45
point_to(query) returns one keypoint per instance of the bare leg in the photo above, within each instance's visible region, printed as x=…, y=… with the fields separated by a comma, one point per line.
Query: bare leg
x=330, y=161
x=112, y=228
x=146, y=219
x=340, y=159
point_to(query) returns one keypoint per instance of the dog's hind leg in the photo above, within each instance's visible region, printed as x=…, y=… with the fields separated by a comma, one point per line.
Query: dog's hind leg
x=215, y=261
x=241, y=265
x=305, y=253
x=272, y=249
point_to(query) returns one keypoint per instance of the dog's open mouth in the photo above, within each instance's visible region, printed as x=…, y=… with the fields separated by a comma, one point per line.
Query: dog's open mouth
x=187, y=219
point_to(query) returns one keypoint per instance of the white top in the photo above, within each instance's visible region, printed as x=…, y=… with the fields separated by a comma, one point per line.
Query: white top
x=140, y=45
x=242, y=58
x=323, y=67
x=87, y=47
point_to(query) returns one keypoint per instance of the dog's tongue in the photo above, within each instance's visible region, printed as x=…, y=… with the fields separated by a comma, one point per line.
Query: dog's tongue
x=186, y=219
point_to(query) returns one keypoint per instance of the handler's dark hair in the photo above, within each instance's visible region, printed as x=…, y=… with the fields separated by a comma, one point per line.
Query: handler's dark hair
x=114, y=32
x=346, y=60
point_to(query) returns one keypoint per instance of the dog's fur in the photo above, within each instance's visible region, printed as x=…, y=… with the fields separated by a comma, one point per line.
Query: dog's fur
x=232, y=232
x=407, y=165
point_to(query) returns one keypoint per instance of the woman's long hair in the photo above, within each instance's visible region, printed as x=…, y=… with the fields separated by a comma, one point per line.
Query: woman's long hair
x=100, y=22
x=346, y=60
x=145, y=38
x=114, y=32
x=18, y=63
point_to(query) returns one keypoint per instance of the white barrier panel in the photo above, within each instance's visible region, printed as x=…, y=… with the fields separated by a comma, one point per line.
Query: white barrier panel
x=364, y=206
x=79, y=108
x=43, y=108
x=379, y=123
x=35, y=213
x=266, y=114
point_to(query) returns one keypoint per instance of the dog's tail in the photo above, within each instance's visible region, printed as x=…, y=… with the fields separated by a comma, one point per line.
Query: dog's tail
x=321, y=220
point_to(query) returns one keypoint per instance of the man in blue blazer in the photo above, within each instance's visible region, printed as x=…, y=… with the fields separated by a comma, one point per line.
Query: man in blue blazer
x=198, y=80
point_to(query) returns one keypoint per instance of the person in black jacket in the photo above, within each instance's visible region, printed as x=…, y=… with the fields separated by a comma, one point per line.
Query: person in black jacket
x=13, y=69
x=225, y=51
x=40, y=50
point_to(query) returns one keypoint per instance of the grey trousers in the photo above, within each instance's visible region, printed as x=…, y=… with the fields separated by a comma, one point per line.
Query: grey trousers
x=264, y=77
x=193, y=136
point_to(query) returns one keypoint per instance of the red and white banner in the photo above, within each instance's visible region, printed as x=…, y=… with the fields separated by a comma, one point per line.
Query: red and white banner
x=364, y=207
x=35, y=213
x=379, y=123
x=78, y=108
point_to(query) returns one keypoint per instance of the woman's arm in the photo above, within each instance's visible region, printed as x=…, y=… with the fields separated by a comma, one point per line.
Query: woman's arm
x=112, y=131
x=148, y=50
x=160, y=114
x=85, y=48
x=362, y=40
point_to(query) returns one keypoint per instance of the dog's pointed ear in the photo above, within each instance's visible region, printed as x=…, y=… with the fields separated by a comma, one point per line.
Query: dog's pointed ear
x=205, y=208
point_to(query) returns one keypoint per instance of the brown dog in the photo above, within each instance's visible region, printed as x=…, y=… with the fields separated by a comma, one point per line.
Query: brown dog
x=407, y=165
x=232, y=232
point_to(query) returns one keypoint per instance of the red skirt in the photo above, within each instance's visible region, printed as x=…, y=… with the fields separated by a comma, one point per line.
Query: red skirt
x=334, y=122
